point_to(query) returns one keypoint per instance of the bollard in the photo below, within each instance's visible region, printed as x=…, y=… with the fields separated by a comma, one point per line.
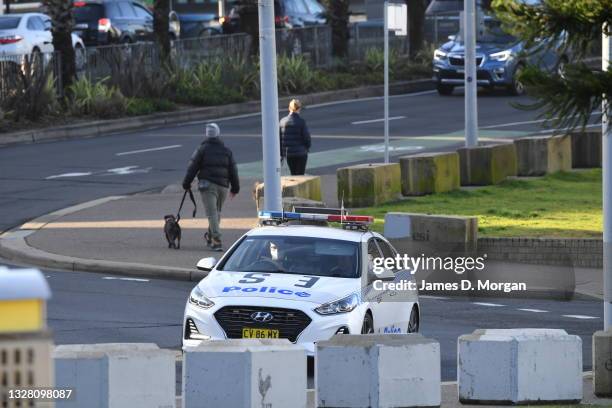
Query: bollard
x=394, y=370
x=244, y=373
x=519, y=366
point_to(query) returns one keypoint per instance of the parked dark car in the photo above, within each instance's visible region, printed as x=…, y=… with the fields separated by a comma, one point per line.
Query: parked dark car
x=102, y=22
x=287, y=14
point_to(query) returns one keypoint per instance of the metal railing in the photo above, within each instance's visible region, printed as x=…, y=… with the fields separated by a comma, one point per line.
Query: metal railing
x=22, y=73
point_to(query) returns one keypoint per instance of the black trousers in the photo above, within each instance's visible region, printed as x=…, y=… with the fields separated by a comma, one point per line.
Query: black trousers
x=297, y=164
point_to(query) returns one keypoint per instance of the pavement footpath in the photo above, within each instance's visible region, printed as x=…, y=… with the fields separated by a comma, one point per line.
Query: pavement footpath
x=124, y=235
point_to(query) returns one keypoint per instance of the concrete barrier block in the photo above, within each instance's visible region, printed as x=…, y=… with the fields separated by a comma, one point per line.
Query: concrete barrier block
x=308, y=187
x=541, y=155
x=586, y=149
x=394, y=370
x=602, y=363
x=244, y=373
x=519, y=366
x=484, y=165
x=365, y=185
x=429, y=173
x=116, y=375
x=441, y=232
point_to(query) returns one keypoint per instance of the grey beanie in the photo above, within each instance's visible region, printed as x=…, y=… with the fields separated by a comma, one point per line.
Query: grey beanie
x=212, y=130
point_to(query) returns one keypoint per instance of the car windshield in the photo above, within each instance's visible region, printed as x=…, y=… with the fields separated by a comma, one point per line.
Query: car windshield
x=296, y=255
x=492, y=34
x=7, y=23
x=88, y=13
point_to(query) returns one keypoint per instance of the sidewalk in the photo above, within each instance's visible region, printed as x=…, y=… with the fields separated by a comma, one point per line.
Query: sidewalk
x=125, y=235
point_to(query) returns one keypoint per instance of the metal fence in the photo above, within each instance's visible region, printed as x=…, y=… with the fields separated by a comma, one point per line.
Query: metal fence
x=314, y=43
x=27, y=73
x=365, y=36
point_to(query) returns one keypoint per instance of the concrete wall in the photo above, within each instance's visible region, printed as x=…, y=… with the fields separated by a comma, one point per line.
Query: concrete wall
x=429, y=173
x=586, y=253
x=519, y=366
x=308, y=187
x=393, y=370
x=540, y=155
x=484, y=165
x=366, y=185
x=586, y=149
x=126, y=375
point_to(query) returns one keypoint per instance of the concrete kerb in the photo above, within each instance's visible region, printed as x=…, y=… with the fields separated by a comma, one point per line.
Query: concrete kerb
x=14, y=247
x=106, y=127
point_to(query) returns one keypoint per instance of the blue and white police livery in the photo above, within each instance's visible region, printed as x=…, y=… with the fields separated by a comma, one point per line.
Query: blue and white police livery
x=300, y=282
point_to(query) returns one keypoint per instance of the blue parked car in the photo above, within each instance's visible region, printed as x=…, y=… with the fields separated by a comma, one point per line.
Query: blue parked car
x=499, y=58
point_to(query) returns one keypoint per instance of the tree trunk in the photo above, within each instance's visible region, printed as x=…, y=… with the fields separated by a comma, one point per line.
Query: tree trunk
x=60, y=12
x=338, y=16
x=161, y=11
x=249, y=22
x=416, y=26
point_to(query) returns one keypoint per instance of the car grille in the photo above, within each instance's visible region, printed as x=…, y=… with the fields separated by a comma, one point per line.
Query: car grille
x=458, y=61
x=289, y=322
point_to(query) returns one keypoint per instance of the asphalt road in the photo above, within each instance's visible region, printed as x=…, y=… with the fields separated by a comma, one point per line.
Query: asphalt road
x=99, y=308
x=39, y=178
x=89, y=308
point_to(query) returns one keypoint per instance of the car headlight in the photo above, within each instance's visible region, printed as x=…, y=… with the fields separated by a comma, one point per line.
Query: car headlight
x=343, y=305
x=198, y=299
x=439, y=55
x=501, y=56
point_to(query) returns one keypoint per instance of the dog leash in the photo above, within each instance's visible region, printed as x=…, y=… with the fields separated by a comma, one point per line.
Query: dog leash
x=195, y=207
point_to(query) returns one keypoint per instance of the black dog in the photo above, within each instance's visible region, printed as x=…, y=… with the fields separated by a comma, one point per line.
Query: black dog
x=172, y=230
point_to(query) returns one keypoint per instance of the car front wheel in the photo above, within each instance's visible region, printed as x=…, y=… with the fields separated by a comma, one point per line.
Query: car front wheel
x=517, y=87
x=444, y=90
x=368, y=324
x=413, y=323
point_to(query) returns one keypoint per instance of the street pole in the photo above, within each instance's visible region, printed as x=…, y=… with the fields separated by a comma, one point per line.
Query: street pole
x=606, y=133
x=469, y=62
x=269, y=107
x=386, y=36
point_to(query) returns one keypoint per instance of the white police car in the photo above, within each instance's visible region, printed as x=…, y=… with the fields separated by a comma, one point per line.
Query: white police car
x=300, y=282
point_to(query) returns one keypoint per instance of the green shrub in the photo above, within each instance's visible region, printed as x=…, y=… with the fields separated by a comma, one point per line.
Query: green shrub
x=295, y=75
x=30, y=92
x=96, y=99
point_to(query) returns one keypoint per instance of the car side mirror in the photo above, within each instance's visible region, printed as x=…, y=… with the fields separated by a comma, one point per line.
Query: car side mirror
x=206, y=264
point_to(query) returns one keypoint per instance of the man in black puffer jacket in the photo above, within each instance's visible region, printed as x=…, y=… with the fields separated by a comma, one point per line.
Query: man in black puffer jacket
x=295, y=139
x=216, y=170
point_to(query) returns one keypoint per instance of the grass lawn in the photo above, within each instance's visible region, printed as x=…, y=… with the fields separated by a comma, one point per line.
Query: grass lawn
x=559, y=205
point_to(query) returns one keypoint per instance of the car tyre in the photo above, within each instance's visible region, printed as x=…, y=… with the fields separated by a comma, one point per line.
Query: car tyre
x=445, y=90
x=413, y=322
x=79, y=58
x=517, y=88
x=368, y=324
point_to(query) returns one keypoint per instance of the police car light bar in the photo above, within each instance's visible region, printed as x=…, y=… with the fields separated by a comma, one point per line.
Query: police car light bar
x=293, y=216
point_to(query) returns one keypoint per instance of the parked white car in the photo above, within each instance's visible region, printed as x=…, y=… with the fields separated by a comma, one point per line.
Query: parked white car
x=300, y=282
x=29, y=34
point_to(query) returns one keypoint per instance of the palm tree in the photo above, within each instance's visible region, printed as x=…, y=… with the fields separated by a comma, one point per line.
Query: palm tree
x=62, y=22
x=161, y=12
x=338, y=16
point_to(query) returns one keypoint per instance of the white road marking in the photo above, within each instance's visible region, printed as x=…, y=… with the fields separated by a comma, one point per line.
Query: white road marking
x=125, y=279
x=153, y=149
x=582, y=317
x=534, y=310
x=363, y=122
x=80, y=174
x=567, y=128
x=122, y=171
x=433, y=297
x=379, y=148
x=487, y=304
x=526, y=122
